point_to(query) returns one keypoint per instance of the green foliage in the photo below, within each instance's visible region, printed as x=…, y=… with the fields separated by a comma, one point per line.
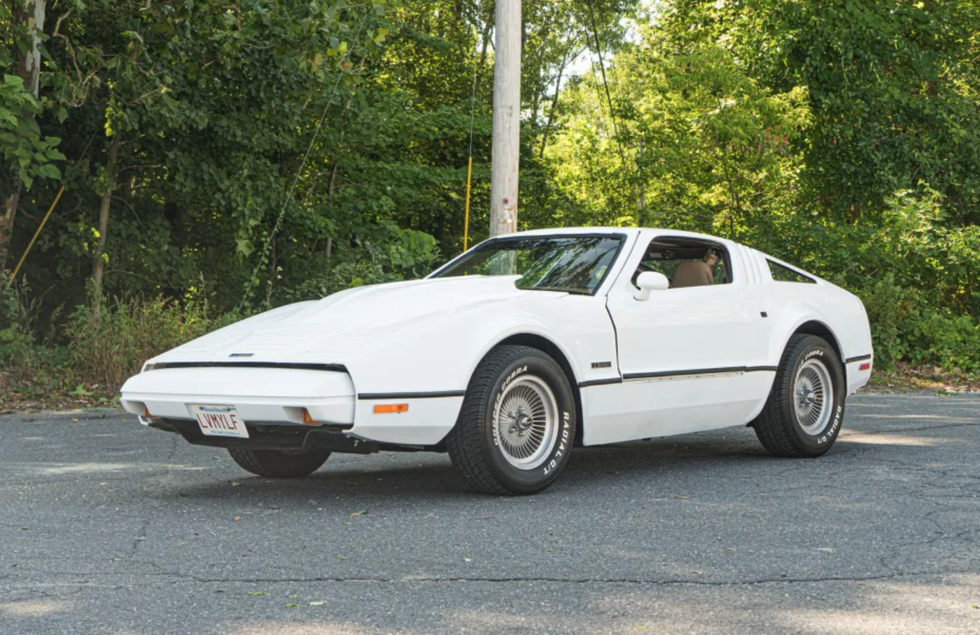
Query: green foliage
x=891, y=308
x=893, y=88
x=709, y=148
x=25, y=152
x=842, y=136
x=111, y=341
x=16, y=327
x=413, y=254
x=389, y=256
x=905, y=327
x=951, y=342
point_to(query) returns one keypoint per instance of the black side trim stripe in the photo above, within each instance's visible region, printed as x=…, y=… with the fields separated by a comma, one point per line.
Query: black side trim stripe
x=682, y=373
x=859, y=358
x=337, y=368
x=411, y=395
x=600, y=382
x=678, y=373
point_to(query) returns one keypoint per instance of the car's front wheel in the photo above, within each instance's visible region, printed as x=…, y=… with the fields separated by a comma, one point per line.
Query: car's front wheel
x=517, y=424
x=805, y=410
x=279, y=463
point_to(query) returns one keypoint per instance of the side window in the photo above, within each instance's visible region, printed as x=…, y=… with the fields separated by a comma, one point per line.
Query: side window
x=785, y=274
x=687, y=262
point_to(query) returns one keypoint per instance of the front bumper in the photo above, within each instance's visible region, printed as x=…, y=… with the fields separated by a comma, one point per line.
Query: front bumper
x=279, y=396
x=270, y=437
x=259, y=394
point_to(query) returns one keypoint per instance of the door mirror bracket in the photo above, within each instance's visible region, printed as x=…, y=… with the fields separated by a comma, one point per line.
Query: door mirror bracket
x=650, y=281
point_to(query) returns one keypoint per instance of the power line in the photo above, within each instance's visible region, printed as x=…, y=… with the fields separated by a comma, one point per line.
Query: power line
x=602, y=67
x=299, y=171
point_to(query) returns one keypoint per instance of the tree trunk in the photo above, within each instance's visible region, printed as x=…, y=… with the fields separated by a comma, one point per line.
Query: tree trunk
x=98, y=266
x=10, y=204
x=29, y=68
x=272, y=272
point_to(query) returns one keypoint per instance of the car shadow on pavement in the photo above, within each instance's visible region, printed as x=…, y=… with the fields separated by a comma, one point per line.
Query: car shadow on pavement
x=394, y=476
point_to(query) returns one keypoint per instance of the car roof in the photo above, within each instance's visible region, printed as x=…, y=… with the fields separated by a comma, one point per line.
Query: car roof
x=629, y=231
x=577, y=230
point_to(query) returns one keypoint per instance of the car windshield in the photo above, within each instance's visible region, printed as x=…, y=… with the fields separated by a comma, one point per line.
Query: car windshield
x=574, y=264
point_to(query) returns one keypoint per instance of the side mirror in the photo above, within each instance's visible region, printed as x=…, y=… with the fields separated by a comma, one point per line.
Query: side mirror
x=650, y=281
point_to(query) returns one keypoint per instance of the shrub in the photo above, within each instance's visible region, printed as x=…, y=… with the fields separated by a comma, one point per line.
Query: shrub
x=951, y=342
x=891, y=308
x=111, y=342
x=16, y=325
x=27, y=341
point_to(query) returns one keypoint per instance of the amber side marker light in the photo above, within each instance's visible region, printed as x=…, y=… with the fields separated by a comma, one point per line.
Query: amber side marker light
x=387, y=408
x=308, y=420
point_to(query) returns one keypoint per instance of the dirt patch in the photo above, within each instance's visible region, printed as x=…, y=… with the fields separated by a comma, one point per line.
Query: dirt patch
x=931, y=379
x=46, y=391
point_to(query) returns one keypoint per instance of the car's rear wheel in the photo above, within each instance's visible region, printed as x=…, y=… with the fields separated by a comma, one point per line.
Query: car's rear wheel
x=517, y=423
x=279, y=463
x=805, y=410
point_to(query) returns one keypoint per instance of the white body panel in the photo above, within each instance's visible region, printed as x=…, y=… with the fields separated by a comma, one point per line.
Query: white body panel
x=639, y=409
x=681, y=361
x=259, y=395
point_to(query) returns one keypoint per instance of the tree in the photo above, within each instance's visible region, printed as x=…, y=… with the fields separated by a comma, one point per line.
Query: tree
x=893, y=89
x=26, y=154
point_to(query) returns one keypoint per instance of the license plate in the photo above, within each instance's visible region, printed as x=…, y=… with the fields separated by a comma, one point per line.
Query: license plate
x=220, y=421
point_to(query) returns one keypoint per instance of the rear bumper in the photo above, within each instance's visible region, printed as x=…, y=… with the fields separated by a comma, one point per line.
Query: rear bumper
x=858, y=372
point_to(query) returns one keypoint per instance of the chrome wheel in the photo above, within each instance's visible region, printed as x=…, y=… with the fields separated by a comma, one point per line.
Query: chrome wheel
x=813, y=393
x=525, y=422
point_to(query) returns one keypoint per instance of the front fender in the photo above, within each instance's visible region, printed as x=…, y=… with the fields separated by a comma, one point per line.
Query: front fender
x=442, y=356
x=428, y=367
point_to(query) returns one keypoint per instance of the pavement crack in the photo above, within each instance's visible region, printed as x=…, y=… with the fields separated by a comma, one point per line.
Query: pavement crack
x=584, y=580
x=140, y=537
x=173, y=451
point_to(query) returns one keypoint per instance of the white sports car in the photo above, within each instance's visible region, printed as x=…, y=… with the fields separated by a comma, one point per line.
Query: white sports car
x=520, y=349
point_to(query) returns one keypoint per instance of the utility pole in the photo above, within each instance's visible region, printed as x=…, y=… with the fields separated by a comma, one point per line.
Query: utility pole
x=506, y=118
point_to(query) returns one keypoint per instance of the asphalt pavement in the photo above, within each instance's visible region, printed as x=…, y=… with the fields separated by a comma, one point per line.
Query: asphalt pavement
x=107, y=527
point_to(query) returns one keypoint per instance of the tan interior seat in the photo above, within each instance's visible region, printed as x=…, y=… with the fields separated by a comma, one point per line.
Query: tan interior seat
x=693, y=273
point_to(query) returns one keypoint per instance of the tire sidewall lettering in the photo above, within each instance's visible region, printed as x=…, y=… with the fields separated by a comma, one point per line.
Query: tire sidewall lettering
x=834, y=426
x=566, y=435
x=830, y=433
x=520, y=370
x=564, y=442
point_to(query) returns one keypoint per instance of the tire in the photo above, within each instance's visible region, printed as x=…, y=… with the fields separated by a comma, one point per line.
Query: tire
x=277, y=463
x=799, y=420
x=516, y=428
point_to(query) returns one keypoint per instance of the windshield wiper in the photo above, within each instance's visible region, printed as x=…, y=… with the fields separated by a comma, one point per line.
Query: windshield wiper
x=559, y=289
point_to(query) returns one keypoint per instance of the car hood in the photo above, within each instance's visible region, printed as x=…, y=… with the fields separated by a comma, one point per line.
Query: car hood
x=348, y=320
